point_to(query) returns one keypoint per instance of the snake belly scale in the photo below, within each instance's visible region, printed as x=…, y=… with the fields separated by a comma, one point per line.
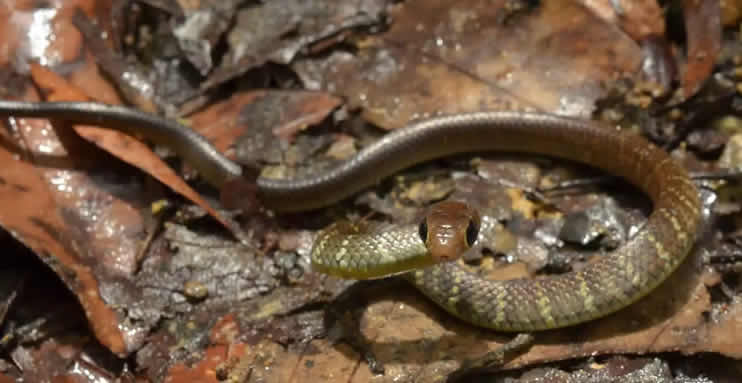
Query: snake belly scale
x=615, y=281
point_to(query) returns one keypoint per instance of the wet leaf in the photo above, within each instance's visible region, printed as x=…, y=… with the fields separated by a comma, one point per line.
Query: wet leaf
x=38, y=221
x=703, y=30
x=121, y=145
x=443, y=57
x=277, y=30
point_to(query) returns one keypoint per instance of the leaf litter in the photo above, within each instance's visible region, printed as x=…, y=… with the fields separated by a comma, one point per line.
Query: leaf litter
x=202, y=306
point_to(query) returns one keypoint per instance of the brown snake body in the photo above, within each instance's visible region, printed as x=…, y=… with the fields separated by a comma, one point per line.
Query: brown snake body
x=602, y=287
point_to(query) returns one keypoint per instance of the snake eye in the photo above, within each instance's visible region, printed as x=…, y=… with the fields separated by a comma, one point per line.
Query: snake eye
x=472, y=232
x=423, y=230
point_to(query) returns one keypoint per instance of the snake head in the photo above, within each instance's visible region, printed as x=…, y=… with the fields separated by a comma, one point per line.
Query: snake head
x=449, y=229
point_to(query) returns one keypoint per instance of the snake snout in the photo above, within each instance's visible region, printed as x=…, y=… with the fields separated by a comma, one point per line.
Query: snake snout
x=449, y=229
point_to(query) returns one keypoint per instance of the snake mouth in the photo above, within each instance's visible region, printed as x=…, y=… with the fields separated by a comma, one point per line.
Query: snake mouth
x=444, y=258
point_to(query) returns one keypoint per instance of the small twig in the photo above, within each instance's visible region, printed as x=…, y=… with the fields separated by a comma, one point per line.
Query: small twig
x=723, y=174
x=494, y=359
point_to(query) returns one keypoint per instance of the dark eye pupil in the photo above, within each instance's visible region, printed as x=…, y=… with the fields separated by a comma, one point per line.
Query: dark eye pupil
x=423, y=230
x=472, y=232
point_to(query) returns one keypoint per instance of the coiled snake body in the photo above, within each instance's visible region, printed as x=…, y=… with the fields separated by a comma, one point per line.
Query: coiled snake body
x=602, y=287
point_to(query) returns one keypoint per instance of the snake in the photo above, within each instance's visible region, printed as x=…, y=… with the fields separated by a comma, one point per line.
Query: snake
x=423, y=253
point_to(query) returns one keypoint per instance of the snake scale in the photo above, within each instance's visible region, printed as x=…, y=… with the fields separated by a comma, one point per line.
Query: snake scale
x=602, y=287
